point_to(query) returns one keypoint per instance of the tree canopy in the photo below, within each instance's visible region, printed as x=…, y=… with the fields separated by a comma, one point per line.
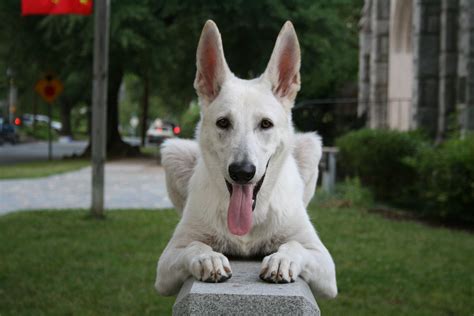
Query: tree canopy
x=157, y=40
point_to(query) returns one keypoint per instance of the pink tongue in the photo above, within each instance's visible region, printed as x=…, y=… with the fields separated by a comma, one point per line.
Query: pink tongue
x=239, y=215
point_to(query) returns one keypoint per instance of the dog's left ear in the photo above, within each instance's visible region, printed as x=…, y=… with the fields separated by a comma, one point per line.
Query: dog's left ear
x=283, y=70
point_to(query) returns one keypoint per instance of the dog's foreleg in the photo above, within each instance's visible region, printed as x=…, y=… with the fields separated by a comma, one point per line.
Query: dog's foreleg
x=197, y=259
x=311, y=262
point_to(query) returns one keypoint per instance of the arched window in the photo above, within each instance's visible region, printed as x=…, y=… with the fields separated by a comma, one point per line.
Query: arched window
x=402, y=26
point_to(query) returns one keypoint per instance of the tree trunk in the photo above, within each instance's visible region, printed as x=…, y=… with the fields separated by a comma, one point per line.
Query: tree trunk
x=115, y=80
x=65, y=113
x=116, y=147
x=144, y=118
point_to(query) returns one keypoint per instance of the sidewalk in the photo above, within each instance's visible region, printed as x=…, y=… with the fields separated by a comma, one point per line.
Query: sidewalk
x=128, y=185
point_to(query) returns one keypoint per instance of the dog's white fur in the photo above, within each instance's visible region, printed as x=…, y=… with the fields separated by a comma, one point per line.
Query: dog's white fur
x=196, y=173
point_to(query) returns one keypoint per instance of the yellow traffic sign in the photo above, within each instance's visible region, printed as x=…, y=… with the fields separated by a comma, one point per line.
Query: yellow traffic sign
x=49, y=88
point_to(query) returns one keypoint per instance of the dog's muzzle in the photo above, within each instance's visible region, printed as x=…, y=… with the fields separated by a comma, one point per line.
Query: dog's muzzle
x=255, y=190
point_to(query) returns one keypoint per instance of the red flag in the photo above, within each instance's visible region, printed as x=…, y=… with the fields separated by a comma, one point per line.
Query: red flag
x=46, y=7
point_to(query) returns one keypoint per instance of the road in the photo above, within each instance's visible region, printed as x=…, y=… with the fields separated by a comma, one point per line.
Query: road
x=39, y=150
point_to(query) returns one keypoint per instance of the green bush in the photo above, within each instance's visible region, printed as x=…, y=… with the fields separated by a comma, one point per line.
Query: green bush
x=445, y=179
x=351, y=190
x=403, y=169
x=40, y=132
x=350, y=193
x=378, y=159
x=189, y=120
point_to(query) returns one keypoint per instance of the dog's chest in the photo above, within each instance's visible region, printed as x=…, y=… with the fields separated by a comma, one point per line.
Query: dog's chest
x=246, y=246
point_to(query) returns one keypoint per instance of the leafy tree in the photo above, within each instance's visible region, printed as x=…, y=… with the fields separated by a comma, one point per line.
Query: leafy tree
x=156, y=41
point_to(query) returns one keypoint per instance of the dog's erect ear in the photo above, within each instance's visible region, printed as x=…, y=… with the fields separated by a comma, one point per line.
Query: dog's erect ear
x=212, y=68
x=283, y=70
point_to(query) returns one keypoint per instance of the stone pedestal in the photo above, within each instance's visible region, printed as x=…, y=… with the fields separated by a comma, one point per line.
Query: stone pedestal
x=245, y=294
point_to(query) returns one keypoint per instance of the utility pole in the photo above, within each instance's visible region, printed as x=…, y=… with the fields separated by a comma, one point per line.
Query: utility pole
x=99, y=103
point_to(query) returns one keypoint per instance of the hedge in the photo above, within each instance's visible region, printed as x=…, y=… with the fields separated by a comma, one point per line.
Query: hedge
x=445, y=179
x=377, y=158
x=404, y=169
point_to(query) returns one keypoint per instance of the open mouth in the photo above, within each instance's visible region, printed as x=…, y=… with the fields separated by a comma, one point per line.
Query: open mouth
x=255, y=190
x=243, y=198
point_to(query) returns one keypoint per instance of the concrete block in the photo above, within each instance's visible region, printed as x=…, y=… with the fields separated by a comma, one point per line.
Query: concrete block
x=245, y=294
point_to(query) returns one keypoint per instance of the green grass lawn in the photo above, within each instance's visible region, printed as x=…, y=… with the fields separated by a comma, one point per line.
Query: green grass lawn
x=40, y=168
x=57, y=263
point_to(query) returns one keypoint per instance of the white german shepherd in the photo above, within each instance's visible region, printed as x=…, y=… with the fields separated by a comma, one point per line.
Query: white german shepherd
x=243, y=187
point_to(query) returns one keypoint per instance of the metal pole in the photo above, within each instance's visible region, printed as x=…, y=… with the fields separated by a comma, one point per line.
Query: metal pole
x=50, y=145
x=99, y=103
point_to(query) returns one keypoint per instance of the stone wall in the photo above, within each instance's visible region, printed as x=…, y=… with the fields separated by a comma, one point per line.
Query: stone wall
x=379, y=48
x=442, y=75
x=400, y=65
x=426, y=34
x=465, y=69
x=447, y=64
x=364, y=58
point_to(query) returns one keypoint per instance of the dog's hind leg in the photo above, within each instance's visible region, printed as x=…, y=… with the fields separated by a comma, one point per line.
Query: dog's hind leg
x=307, y=153
x=179, y=157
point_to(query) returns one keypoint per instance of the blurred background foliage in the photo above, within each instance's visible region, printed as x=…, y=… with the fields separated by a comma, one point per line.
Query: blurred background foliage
x=152, y=53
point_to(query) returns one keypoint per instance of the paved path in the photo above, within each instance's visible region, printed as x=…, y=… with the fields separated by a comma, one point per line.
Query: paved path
x=128, y=184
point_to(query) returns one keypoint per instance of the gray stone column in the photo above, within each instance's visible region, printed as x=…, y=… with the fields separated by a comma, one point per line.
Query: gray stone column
x=245, y=294
x=426, y=43
x=364, y=58
x=447, y=64
x=465, y=85
x=379, y=47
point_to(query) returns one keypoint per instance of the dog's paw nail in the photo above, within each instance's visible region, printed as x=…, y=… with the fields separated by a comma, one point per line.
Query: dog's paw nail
x=227, y=270
x=290, y=273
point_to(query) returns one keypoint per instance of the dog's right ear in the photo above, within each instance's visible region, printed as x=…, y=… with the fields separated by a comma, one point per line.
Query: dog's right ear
x=212, y=68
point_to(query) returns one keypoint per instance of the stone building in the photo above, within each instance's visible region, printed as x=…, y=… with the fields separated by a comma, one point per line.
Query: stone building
x=416, y=64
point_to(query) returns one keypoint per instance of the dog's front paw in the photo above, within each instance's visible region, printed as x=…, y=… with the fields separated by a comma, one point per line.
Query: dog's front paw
x=279, y=268
x=211, y=267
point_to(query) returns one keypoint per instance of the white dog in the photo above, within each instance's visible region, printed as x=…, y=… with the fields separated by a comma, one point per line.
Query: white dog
x=244, y=186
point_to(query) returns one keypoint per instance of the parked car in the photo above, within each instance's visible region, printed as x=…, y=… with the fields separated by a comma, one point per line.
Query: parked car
x=27, y=119
x=8, y=133
x=160, y=130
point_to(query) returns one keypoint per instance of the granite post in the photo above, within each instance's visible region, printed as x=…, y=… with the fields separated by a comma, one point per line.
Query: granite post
x=245, y=294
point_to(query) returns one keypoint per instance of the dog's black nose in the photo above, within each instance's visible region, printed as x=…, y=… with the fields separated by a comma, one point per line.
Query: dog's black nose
x=241, y=172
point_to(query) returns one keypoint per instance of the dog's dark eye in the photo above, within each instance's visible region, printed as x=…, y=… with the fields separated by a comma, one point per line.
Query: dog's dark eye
x=266, y=124
x=223, y=123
